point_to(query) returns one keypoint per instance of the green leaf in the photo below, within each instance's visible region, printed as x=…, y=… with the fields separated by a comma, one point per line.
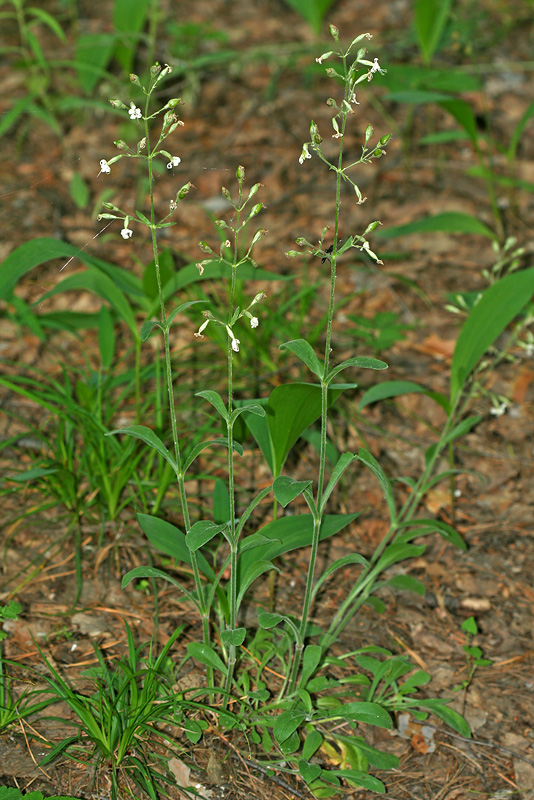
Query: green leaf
x=147, y=327
x=287, y=723
x=92, y=54
x=344, y=461
x=171, y=540
x=269, y=619
x=303, y=350
x=289, y=533
x=406, y=583
x=313, y=11
x=469, y=626
x=310, y=661
x=398, y=552
x=221, y=501
x=206, y=655
x=201, y=533
x=369, y=713
x=497, y=307
x=433, y=526
x=448, y=715
x=361, y=362
x=148, y=437
x=106, y=337
x=312, y=743
x=371, y=463
x=248, y=576
x=382, y=391
x=339, y=563
x=201, y=446
x=30, y=255
x=448, y=222
x=234, y=638
x=375, y=757
x=93, y=280
x=181, y=308
x=291, y=409
x=463, y=113
x=430, y=17
x=462, y=428
x=309, y=772
x=285, y=489
x=154, y=572
x=357, y=778
x=216, y=401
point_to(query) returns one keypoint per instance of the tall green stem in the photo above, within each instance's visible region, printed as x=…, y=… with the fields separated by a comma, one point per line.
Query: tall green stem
x=204, y=610
x=317, y=513
x=231, y=485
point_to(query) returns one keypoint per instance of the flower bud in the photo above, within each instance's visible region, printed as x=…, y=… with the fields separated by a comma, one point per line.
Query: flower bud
x=204, y=246
x=117, y=104
x=174, y=102
x=120, y=144
x=134, y=79
x=240, y=174
x=155, y=69
x=184, y=190
x=334, y=32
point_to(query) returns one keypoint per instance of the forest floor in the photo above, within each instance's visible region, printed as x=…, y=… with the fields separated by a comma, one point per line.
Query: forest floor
x=255, y=111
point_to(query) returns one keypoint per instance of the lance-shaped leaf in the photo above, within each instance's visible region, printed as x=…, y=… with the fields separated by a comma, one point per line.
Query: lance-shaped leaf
x=147, y=327
x=181, y=308
x=153, y=572
x=198, y=448
x=370, y=713
x=494, y=311
x=344, y=461
x=201, y=533
x=285, y=489
x=361, y=362
x=339, y=563
x=291, y=409
x=383, y=391
x=370, y=461
x=303, y=350
x=148, y=437
x=216, y=401
x=171, y=540
x=206, y=655
x=426, y=526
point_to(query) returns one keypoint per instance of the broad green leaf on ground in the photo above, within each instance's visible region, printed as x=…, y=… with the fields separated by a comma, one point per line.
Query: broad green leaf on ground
x=171, y=540
x=448, y=222
x=291, y=409
x=430, y=18
x=383, y=391
x=497, y=307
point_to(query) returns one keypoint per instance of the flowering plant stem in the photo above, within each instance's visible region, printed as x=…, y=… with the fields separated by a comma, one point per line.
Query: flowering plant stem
x=317, y=506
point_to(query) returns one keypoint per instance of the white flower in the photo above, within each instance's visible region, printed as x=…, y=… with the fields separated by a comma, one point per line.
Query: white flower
x=305, y=154
x=203, y=327
x=134, y=112
x=175, y=160
x=126, y=233
x=498, y=411
x=254, y=322
x=104, y=167
x=235, y=345
x=375, y=68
